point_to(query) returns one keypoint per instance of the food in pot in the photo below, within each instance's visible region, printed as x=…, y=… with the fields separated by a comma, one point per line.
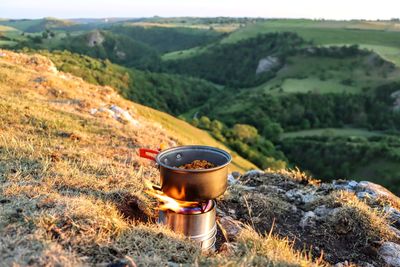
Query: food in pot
x=198, y=164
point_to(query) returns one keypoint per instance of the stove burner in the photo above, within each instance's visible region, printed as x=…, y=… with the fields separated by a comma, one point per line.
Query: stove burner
x=195, y=220
x=200, y=226
x=200, y=208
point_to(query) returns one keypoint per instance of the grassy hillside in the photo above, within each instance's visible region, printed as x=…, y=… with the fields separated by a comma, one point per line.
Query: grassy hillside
x=36, y=25
x=180, y=131
x=166, y=92
x=312, y=72
x=68, y=176
x=4, y=28
x=381, y=37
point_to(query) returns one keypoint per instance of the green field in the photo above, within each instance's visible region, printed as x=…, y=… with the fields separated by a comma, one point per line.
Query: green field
x=36, y=25
x=388, y=53
x=303, y=74
x=6, y=28
x=4, y=43
x=321, y=32
x=183, y=53
x=332, y=132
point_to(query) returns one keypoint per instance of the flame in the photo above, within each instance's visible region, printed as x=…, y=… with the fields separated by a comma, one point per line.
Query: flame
x=168, y=203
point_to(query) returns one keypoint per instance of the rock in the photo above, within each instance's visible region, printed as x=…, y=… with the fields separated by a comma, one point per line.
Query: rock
x=352, y=183
x=121, y=114
x=344, y=185
x=266, y=64
x=323, y=211
x=125, y=262
x=376, y=190
x=228, y=249
x=40, y=79
x=231, y=228
x=395, y=231
x=95, y=38
x=393, y=215
x=232, y=211
x=342, y=264
x=301, y=196
x=231, y=179
x=120, y=54
x=117, y=113
x=308, y=220
x=390, y=253
x=363, y=195
x=245, y=187
x=236, y=175
x=220, y=212
x=253, y=172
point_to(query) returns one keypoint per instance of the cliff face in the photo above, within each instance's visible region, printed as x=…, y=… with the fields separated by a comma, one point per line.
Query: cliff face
x=71, y=189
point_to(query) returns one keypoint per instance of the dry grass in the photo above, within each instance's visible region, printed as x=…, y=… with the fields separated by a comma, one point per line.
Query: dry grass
x=354, y=217
x=71, y=184
x=255, y=250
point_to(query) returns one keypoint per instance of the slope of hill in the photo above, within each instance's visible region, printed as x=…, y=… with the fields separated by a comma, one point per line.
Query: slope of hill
x=165, y=92
x=380, y=36
x=107, y=45
x=167, y=39
x=72, y=193
x=238, y=64
x=36, y=25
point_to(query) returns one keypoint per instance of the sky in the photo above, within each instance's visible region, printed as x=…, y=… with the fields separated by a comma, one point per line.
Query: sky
x=314, y=9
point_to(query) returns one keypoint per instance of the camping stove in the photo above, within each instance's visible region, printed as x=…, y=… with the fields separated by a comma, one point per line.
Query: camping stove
x=196, y=222
x=186, y=196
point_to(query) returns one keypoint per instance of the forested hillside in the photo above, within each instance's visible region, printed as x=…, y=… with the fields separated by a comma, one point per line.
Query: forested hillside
x=236, y=64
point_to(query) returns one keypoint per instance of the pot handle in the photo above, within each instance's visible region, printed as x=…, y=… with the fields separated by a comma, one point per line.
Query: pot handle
x=143, y=153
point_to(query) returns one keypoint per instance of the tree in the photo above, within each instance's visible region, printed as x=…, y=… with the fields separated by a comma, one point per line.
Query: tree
x=272, y=131
x=204, y=122
x=246, y=133
x=216, y=125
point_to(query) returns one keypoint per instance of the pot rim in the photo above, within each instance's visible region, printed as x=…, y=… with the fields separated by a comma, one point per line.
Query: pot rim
x=228, y=156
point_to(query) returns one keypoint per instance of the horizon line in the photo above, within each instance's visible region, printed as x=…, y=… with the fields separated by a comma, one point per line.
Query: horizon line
x=170, y=17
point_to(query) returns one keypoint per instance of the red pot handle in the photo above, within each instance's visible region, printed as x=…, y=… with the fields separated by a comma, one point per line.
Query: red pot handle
x=143, y=153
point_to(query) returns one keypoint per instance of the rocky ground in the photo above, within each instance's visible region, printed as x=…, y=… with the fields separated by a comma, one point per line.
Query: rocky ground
x=343, y=222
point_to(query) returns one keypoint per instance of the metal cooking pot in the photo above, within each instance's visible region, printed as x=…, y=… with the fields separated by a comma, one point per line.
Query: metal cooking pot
x=191, y=185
